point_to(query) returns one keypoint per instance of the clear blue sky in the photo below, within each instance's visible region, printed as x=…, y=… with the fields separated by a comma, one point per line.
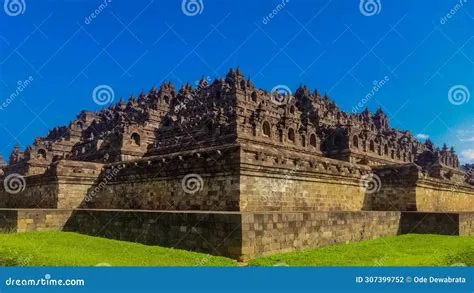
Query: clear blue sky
x=329, y=45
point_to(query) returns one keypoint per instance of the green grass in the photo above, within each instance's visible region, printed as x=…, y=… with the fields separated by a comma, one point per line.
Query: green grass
x=72, y=249
x=405, y=250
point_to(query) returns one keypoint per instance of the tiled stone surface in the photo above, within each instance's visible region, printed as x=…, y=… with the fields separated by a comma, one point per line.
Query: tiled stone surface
x=269, y=233
x=431, y=223
x=238, y=178
x=436, y=195
x=26, y=220
x=214, y=233
x=283, y=180
x=64, y=185
x=407, y=188
x=160, y=183
x=234, y=234
x=466, y=224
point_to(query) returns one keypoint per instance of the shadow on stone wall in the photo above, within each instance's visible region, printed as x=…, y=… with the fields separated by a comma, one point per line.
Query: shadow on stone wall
x=36, y=191
x=391, y=198
x=213, y=233
x=393, y=188
x=8, y=221
x=235, y=234
x=367, y=203
x=430, y=223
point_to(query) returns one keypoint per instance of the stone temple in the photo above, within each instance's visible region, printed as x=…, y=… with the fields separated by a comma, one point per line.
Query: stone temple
x=230, y=169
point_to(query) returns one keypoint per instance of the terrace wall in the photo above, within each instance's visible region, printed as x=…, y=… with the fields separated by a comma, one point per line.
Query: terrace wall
x=64, y=185
x=234, y=234
x=406, y=188
x=282, y=180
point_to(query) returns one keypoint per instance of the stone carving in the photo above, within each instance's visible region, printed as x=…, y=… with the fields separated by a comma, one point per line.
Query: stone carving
x=228, y=111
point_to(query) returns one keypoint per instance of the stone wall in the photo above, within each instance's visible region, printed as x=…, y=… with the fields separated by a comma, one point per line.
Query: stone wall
x=268, y=233
x=431, y=223
x=205, y=180
x=235, y=234
x=74, y=180
x=229, y=178
x=64, y=185
x=466, y=224
x=233, y=178
x=8, y=221
x=281, y=180
x=39, y=192
x=275, y=232
x=407, y=188
x=394, y=188
x=245, y=177
x=217, y=233
x=28, y=220
x=438, y=195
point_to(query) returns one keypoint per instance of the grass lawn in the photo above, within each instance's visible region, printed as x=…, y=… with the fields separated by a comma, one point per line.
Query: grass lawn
x=405, y=250
x=72, y=249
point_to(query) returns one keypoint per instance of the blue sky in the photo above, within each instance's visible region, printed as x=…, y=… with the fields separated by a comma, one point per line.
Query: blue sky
x=335, y=46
